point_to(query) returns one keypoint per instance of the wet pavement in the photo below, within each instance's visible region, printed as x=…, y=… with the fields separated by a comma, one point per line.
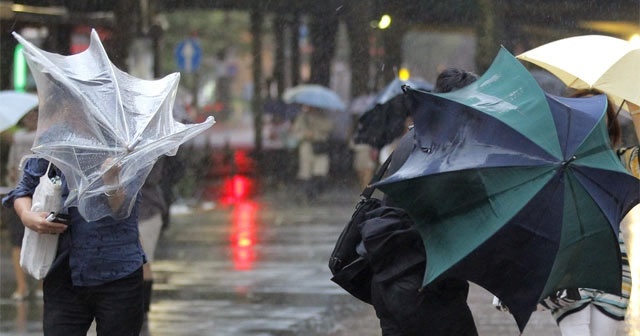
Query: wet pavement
x=256, y=267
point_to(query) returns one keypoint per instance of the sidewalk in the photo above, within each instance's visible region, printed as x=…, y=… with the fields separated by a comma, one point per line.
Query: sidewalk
x=257, y=268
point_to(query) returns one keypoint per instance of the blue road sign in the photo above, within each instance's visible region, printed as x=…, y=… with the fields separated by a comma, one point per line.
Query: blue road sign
x=188, y=55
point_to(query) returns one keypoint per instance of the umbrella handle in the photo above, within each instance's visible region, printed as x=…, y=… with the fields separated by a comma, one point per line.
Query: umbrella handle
x=133, y=145
x=369, y=189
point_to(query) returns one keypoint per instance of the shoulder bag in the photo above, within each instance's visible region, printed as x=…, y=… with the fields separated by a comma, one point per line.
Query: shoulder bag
x=351, y=271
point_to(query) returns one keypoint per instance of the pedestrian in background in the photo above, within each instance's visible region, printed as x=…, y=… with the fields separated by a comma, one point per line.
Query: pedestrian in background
x=152, y=207
x=20, y=148
x=364, y=162
x=312, y=128
x=587, y=311
x=365, y=156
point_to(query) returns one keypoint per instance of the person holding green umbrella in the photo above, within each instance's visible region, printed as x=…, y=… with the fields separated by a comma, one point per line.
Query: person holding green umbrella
x=586, y=311
x=402, y=305
x=514, y=189
x=594, y=65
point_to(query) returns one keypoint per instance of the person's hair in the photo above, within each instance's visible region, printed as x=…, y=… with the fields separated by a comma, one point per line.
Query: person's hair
x=452, y=79
x=613, y=126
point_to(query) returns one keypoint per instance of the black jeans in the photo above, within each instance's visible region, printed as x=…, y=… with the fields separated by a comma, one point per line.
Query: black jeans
x=69, y=310
x=437, y=310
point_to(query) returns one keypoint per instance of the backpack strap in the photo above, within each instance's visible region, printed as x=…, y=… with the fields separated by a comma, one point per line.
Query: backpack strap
x=369, y=189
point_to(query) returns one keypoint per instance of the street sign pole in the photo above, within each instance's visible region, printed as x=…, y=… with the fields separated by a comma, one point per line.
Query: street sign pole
x=188, y=54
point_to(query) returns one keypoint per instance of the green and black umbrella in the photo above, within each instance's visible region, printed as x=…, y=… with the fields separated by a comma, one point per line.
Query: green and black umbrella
x=514, y=189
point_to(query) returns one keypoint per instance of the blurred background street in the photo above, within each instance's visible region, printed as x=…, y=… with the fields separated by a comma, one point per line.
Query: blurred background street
x=256, y=263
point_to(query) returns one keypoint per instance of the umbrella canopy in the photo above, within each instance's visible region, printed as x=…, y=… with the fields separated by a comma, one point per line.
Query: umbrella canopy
x=608, y=64
x=514, y=189
x=14, y=106
x=384, y=119
x=314, y=95
x=94, y=117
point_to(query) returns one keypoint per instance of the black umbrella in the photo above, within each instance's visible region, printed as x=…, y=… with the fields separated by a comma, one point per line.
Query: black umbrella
x=384, y=120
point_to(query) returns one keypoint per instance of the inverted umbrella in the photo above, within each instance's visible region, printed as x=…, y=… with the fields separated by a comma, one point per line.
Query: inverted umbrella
x=314, y=95
x=384, y=119
x=516, y=190
x=606, y=63
x=14, y=105
x=94, y=117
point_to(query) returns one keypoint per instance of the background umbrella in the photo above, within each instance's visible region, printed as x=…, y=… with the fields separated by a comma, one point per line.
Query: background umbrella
x=14, y=106
x=92, y=113
x=384, y=120
x=515, y=190
x=314, y=95
x=608, y=64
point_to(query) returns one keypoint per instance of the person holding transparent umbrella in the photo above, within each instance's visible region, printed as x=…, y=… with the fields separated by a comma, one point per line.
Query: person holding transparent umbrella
x=102, y=130
x=20, y=148
x=97, y=272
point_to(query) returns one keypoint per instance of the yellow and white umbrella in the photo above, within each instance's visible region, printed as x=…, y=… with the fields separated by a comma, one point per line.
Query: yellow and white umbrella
x=600, y=62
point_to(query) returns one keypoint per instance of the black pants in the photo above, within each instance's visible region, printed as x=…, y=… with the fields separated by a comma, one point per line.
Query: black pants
x=438, y=310
x=69, y=310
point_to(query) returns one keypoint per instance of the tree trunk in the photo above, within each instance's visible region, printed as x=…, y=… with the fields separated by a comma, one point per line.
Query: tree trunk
x=358, y=29
x=491, y=32
x=392, y=38
x=127, y=16
x=322, y=30
x=279, y=60
x=257, y=18
x=294, y=26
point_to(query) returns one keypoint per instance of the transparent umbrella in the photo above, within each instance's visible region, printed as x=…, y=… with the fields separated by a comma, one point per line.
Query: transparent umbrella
x=94, y=117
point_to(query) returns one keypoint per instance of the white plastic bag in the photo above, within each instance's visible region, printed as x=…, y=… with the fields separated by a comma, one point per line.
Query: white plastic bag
x=39, y=250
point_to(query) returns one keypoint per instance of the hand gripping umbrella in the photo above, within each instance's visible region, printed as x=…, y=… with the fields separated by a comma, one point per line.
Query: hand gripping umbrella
x=609, y=64
x=94, y=117
x=514, y=189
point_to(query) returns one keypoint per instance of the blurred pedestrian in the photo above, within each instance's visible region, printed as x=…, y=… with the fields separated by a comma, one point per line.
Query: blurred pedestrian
x=20, y=148
x=174, y=168
x=152, y=207
x=396, y=252
x=629, y=155
x=364, y=162
x=312, y=127
x=277, y=140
